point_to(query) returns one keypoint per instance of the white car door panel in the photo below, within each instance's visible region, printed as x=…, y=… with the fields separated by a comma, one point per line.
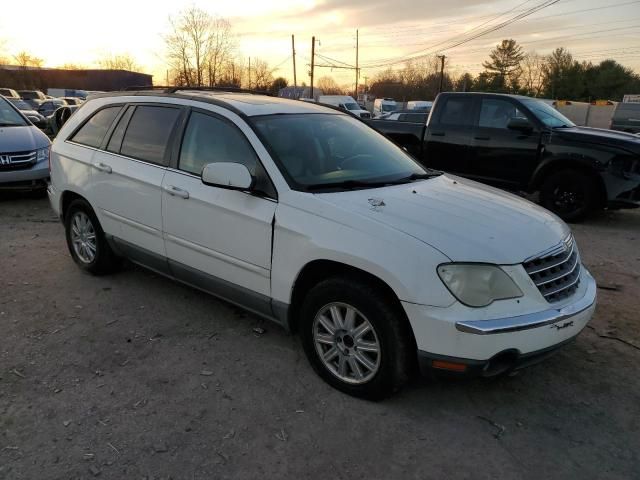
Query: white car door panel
x=225, y=234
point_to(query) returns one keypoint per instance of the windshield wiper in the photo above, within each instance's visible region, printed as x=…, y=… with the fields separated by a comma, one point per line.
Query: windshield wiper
x=7, y=124
x=346, y=184
x=419, y=176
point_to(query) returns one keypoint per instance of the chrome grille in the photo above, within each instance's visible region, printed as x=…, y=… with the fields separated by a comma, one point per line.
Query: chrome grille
x=17, y=160
x=556, y=273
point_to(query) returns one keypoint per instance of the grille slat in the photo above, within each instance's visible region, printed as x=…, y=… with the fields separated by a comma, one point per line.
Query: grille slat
x=556, y=273
x=17, y=160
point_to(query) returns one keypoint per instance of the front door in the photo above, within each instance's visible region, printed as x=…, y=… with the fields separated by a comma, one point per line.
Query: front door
x=216, y=238
x=501, y=156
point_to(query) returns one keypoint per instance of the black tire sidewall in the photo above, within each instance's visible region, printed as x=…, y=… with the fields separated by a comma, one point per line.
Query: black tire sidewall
x=576, y=178
x=384, y=319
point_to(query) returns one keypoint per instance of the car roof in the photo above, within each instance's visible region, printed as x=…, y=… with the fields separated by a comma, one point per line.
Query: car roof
x=249, y=104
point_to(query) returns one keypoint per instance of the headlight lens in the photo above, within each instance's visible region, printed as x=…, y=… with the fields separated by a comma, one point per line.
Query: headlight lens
x=42, y=154
x=478, y=285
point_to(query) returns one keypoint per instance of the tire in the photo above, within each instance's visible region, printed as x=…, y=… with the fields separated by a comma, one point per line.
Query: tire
x=570, y=194
x=382, y=373
x=91, y=251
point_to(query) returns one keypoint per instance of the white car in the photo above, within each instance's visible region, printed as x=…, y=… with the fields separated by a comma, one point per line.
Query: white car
x=308, y=217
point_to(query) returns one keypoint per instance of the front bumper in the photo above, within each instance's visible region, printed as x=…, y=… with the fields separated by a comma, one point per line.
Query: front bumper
x=485, y=345
x=29, y=178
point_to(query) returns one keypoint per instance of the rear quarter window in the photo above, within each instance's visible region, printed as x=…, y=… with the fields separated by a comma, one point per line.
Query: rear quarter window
x=93, y=131
x=148, y=132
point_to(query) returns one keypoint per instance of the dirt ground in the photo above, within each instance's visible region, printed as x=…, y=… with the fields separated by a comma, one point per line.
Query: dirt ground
x=133, y=376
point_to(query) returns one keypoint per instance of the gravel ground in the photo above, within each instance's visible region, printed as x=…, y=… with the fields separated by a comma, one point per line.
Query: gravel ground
x=135, y=376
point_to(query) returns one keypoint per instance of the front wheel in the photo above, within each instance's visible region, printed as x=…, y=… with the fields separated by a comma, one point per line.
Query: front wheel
x=355, y=339
x=570, y=194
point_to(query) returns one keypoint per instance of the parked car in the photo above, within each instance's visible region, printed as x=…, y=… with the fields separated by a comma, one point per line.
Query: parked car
x=59, y=118
x=9, y=93
x=47, y=107
x=626, y=117
x=413, y=116
x=422, y=105
x=24, y=151
x=32, y=97
x=27, y=110
x=384, y=105
x=376, y=261
x=72, y=100
x=520, y=143
x=346, y=103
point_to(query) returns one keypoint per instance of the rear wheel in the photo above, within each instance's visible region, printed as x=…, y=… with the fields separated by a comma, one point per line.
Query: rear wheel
x=570, y=194
x=355, y=339
x=86, y=241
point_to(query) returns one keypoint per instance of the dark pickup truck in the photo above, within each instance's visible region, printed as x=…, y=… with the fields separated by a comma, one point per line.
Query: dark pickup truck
x=523, y=144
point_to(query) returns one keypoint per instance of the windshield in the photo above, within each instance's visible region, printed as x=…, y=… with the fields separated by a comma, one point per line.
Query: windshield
x=9, y=117
x=29, y=95
x=315, y=150
x=547, y=114
x=386, y=107
x=352, y=106
x=20, y=104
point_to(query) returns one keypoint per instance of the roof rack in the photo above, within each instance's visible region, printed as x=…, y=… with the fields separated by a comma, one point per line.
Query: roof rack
x=200, y=89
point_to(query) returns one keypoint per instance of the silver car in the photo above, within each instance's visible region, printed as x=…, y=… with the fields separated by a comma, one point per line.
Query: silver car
x=24, y=151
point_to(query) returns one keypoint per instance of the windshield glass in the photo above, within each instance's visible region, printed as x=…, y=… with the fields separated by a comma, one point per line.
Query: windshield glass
x=352, y=106
x=21, y=104
x=326, y=149
x=386, y=107
x=9, y=117
x=547, y=114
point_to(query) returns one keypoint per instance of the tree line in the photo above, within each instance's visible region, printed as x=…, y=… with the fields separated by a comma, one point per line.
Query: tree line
x=509, y=69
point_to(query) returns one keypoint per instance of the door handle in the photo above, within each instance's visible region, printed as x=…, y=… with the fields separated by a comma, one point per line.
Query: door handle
x=437, y=134
x=176, y=192
x=103, y=167
x=482, y=138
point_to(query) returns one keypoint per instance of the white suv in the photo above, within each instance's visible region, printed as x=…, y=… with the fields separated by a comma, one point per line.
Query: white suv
x=308, y=217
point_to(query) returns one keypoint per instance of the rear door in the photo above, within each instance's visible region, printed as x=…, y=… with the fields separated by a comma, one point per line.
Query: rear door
x=449, y=134
x=216, y=238
x=499, y=155
x=127, y=179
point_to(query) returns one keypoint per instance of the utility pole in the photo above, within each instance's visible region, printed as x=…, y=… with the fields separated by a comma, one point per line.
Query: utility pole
x=357, y=70
x=249, y=73
x=293, y=53
x=313, y=54
x=441, y=57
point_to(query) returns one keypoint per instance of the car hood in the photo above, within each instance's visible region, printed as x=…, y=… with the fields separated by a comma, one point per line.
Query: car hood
x=20, y=139
x=465, y=220
x=600, y=136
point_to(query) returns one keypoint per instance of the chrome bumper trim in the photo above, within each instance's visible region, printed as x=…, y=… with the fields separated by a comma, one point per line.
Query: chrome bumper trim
x=532, y=320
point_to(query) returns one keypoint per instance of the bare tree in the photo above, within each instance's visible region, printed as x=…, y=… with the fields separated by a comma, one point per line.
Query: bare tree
x=329, y=86
x=220, y=50
x=122, y=61
x=532, y=73
x=261, y=75
x=25, y=59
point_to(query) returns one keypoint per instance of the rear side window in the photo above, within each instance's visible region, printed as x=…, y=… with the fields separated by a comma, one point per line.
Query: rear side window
x=457, y=111
x=147, y=135
x=209, y=139
x=94, y=130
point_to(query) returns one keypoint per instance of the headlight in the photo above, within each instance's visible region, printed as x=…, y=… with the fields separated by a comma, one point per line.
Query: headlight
x=42, y=154
x=477, y=285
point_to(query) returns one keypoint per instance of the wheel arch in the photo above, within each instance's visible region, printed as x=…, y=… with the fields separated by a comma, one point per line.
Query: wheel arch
x=317, y=270
x=562, y=164
x=66, y=198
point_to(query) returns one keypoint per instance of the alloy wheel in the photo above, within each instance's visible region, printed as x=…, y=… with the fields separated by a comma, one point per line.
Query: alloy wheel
x=83, y=237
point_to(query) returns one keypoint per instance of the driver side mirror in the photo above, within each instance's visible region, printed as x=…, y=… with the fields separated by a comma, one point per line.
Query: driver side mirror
x=520, y=124
x=232, y=176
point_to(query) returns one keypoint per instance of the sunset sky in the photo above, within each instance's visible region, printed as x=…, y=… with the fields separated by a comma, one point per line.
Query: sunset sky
x=81, y=32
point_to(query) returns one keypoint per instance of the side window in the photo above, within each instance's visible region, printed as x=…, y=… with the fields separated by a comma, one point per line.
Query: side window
x=496, y=113
x=147, y=135
x=457, y=111
x=94, y=130
x=208, y=139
